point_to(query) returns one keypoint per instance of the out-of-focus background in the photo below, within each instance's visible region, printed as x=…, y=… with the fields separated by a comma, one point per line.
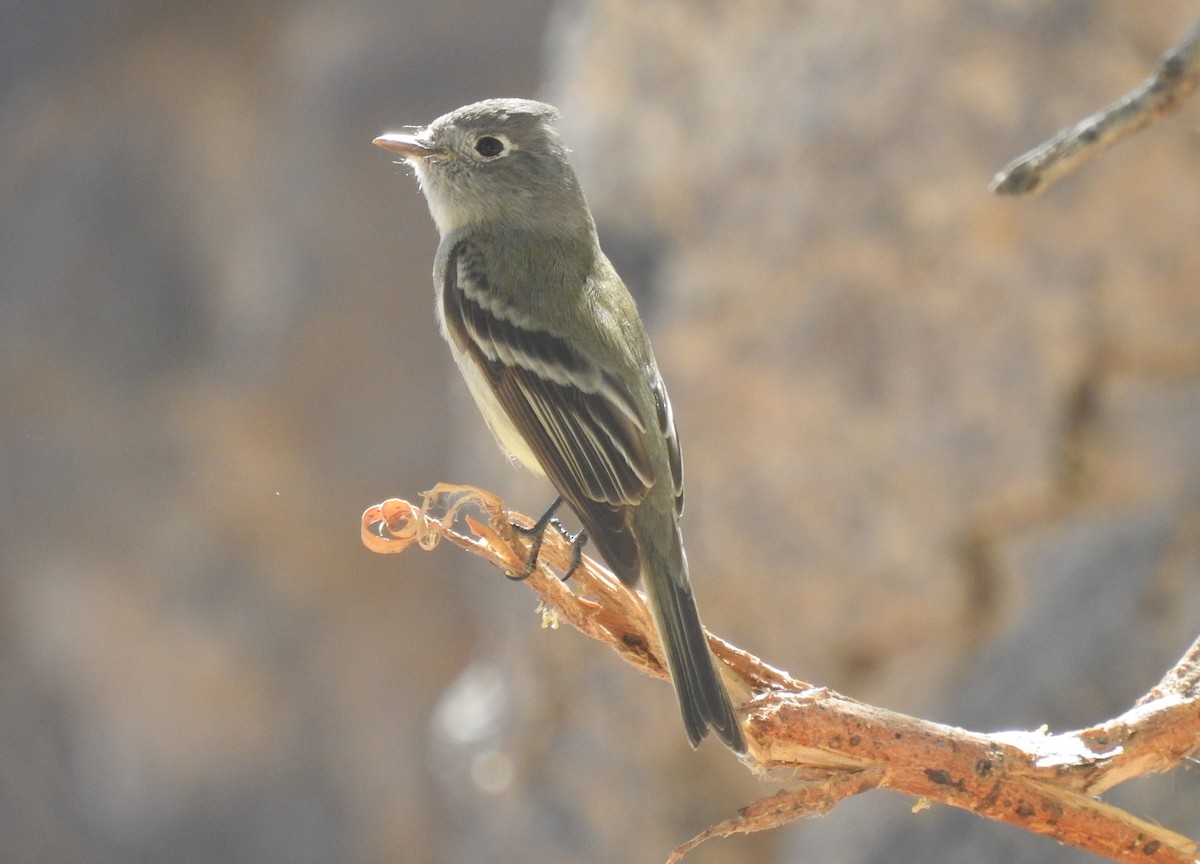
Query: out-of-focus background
x=943, y=449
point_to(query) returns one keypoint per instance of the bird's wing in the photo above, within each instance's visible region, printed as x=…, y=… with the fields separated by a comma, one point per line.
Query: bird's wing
x=581, y=422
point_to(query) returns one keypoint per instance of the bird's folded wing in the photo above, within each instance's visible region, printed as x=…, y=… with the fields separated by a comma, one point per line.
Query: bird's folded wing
x=580, y=422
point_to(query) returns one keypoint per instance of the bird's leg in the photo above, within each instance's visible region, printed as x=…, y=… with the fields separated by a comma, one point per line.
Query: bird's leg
x=538, y=532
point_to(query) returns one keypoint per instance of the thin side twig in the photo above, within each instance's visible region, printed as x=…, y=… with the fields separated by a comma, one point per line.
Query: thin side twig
x=1163, y=92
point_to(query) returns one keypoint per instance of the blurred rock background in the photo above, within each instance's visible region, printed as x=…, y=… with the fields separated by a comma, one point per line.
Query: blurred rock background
x=942, y=448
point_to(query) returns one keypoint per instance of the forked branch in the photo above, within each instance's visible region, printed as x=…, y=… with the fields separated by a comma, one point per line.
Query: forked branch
x=831, y=747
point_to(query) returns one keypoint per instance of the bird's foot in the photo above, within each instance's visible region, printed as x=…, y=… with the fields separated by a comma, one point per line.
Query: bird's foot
x=538, y=532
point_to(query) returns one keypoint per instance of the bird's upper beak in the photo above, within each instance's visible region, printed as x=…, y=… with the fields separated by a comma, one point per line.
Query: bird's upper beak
x=410, y=146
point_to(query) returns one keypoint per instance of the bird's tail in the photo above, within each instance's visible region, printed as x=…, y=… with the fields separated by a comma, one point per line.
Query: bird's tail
x=703, y=698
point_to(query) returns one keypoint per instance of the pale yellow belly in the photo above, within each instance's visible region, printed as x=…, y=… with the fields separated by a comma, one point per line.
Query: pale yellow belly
x=506, y=434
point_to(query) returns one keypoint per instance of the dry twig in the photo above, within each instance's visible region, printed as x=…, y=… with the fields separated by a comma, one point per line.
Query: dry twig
x=1162, y=93
x=833, y=747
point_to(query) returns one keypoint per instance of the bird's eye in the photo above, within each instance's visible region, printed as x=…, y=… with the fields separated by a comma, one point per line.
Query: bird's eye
x=489, y=146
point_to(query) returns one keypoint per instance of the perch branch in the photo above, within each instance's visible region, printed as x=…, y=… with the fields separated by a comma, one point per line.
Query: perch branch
x=1162, y=93
x=829, y=747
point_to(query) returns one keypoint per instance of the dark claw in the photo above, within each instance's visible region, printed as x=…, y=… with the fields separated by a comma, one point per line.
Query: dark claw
x=535, y=549
x=577, y=543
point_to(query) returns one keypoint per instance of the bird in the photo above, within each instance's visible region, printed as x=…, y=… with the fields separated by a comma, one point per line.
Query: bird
x=555, y=354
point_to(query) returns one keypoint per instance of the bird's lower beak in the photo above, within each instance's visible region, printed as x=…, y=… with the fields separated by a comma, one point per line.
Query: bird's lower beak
x=408, y=146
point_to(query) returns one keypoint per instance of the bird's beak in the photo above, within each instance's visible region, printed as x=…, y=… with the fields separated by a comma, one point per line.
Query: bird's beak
x=408, y=146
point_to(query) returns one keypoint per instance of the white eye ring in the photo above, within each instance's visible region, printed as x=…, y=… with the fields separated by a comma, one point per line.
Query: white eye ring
x=485, y=146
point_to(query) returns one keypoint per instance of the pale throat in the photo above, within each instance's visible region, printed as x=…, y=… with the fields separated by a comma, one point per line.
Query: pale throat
x=447, y=215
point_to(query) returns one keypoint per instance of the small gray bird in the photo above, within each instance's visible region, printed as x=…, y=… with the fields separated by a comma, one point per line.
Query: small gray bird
x=552, y=348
